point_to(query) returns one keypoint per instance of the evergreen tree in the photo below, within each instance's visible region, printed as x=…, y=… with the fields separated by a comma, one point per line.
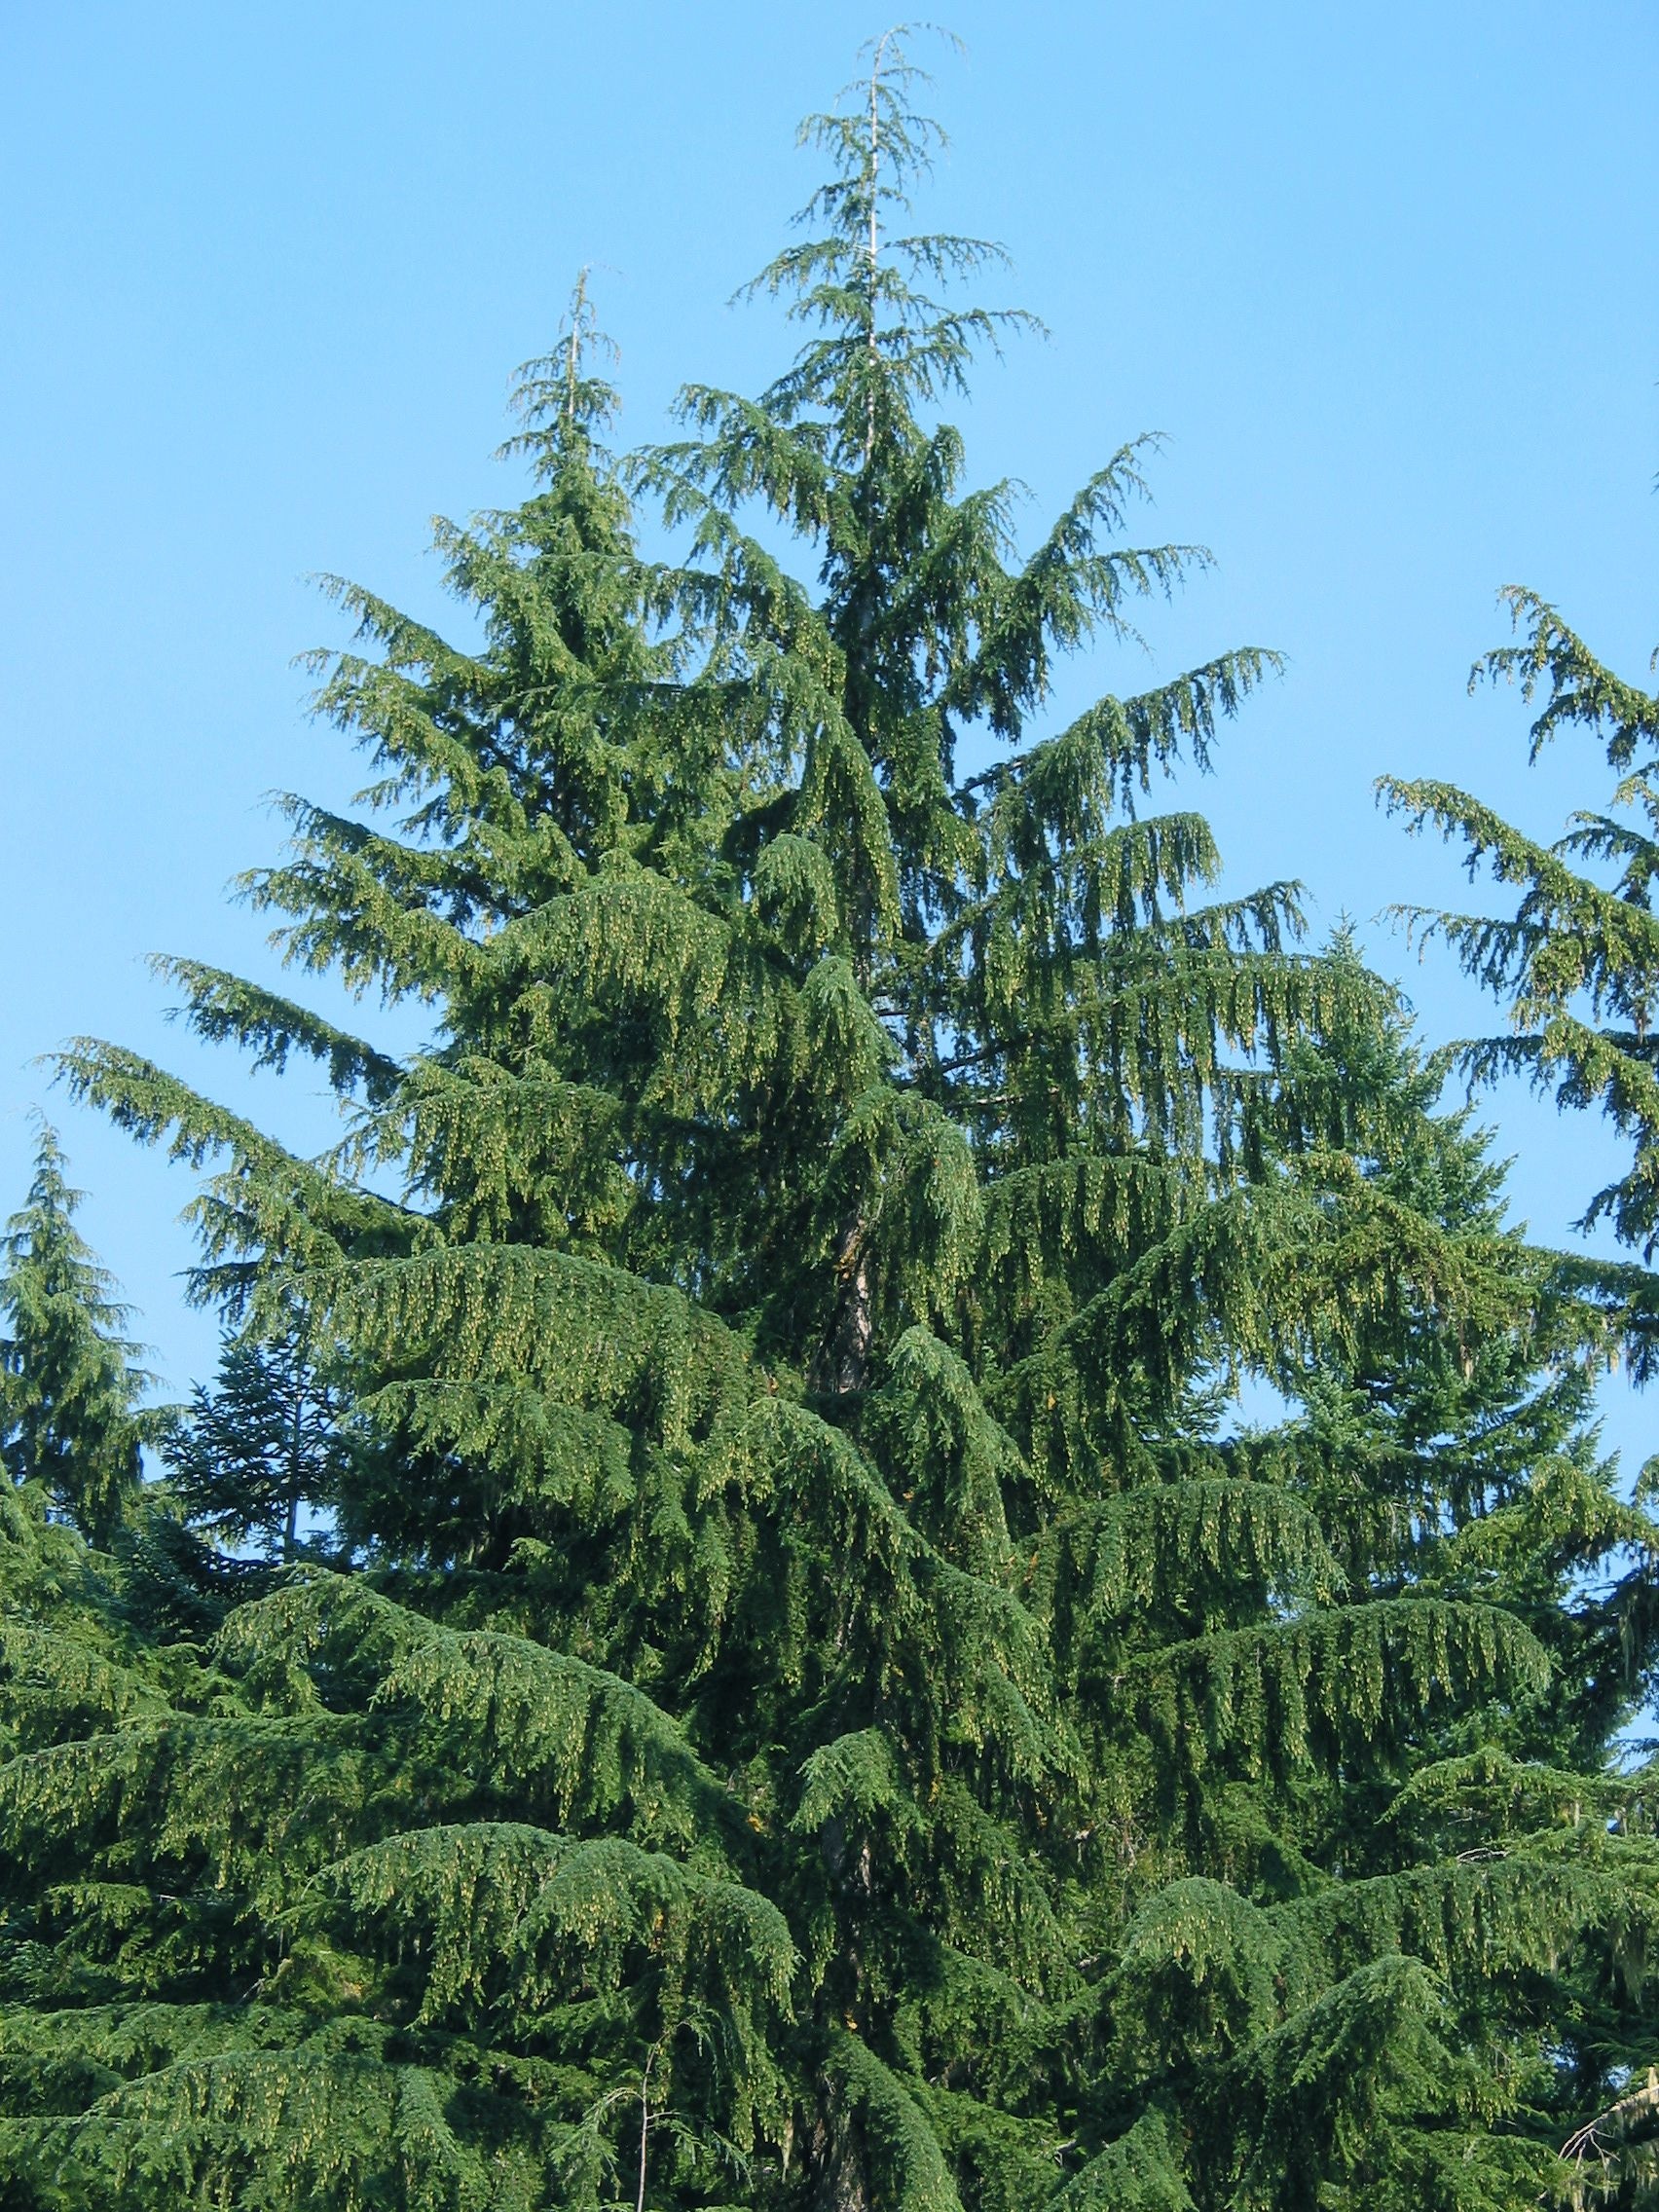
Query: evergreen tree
x=70, y=1421
x=260, y=1456
x=826, y=1714
x=1576, y=970
x=1576, y=966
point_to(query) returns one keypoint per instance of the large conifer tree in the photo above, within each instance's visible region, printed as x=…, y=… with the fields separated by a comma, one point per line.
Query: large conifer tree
x=829, y=1714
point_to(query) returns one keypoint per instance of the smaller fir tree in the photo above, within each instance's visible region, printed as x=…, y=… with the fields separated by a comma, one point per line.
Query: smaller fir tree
x=259, y=1457
x=71, y=1419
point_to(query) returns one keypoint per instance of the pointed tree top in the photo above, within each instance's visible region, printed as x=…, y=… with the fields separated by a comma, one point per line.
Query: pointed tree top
x=43, y=1231
x=557, y=396
x=69, y=1391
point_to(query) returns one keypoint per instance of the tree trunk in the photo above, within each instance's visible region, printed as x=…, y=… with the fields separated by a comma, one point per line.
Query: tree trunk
x=840, y=2172
x=842, y=1363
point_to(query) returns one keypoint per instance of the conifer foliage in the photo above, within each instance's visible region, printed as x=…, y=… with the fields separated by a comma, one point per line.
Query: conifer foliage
x=1576, y=966
x=257, y=1460
x=1576, y=970
x=70, y=1424
x=812, y=1705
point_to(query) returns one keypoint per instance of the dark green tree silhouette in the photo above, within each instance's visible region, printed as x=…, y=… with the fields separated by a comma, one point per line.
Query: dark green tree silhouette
x=257, y=1460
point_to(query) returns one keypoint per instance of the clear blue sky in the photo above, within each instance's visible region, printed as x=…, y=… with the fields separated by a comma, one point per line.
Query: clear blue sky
x=1388, y=276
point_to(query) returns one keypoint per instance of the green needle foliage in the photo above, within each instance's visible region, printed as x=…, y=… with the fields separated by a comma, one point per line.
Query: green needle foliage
x=1576, y=971
x=823, y=1710
x=1576, y=966
x=257, y=1459
x=70, y=1424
